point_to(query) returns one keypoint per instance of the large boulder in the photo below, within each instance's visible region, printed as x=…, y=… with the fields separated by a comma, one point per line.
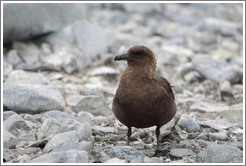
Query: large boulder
x=27, y=20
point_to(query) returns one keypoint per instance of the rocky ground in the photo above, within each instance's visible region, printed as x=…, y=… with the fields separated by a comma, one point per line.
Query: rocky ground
x=57, y=98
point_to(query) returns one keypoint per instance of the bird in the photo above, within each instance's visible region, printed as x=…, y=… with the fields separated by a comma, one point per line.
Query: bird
x=143, y=98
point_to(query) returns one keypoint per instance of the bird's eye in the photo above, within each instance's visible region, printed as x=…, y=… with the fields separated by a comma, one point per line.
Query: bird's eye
x=139, y=54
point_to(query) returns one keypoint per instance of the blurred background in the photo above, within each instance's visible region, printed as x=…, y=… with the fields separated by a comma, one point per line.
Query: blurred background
x=71, y=47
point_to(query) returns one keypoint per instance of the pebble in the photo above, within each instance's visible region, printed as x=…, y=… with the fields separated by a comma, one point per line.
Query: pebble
x=23, y=77
x=124, y=152
x=189, y=125
x=37, y=98
x=220, y=154
x=215, y=70
x=221, y=136
x=225, y=90
x=66, y=156
x=105, y=129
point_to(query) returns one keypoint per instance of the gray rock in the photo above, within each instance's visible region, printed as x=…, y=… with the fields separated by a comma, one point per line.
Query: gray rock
x=208, y=107
x=13, y=58
x=16, y=125
x=84, y=117
x=89, y=36
x=116, y=160
x=221, y=136
x=219, y=124
x=54, y=114
x=216, y=71
x=104, y=70
x=37, y=98
x=24, y=21
x=165, y=130
x=103, y=157
x=234, y=113
x=29, y=52
x=92, y=103
x=225, y=90
x=66, y=156
x=7, y=68
x=105, y=129
x=180, y=152
x=7, y=114
x=189, y=125
x=202, y=136
x=9, y=140
x=67, y=140
x=142, y=8
x=124, y=152
x=23, y=77
x=238, y=132
x=220, y=154
x=84, y=131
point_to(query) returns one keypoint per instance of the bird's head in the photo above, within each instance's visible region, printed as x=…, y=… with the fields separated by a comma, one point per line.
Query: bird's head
x=138, y=56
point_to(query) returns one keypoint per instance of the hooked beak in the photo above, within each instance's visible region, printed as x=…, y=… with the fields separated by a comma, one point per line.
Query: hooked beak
x=124, y=56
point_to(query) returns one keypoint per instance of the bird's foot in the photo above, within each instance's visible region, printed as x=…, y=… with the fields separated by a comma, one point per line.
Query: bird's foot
x=162, y=152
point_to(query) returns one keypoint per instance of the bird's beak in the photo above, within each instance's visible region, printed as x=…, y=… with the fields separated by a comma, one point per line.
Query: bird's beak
x=120, y=57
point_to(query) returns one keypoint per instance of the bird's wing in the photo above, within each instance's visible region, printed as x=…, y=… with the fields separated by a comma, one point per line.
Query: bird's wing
x=166, y=85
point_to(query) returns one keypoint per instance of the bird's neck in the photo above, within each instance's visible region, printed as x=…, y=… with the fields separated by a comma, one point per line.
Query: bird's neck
x=142, y=71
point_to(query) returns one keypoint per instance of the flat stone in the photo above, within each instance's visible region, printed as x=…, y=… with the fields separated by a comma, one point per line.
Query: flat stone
x=66, y=156
x=54, y=114
x=92, y=104
x=221, y=136
x=103, y=71
x=180, y=152
x=189, y=125
x=23, y=77
x=37, y=98
x=124, y=152
x=105, y=129
x=220, y=154
x=216, y=71
x=219, y=124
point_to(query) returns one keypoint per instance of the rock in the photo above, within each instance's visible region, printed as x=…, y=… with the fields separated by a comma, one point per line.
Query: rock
x=221, y=136
x=67, y=140
x=220, y=154
x=124, y=152
x=13, y=58
x=7, y=114
x=105, y=129
x=66, y=156
x=116, y=160
x=37, y=98
x=28, y=52
x=84, y=117
x=234, y=113
x=84, y=131
x=103, y=157
x=238, y=132
x=216, y=71
x=54, y=114
x=202, y=136
x=165, y=130
x=104, y=71
x=91, y=103
x=189, y=125
x=142, y=8
x=23, y=77
x=7, y=68
x=208, y=107
x=89, y=36
x=219, y=124
x=180, y=152
x=16, y=125
x=9, y=140
x=225, y=90
x=42, y=19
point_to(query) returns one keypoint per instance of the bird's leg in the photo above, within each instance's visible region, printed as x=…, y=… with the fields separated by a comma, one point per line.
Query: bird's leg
x=157, y=132
x=159, y=152
x=129, y=133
